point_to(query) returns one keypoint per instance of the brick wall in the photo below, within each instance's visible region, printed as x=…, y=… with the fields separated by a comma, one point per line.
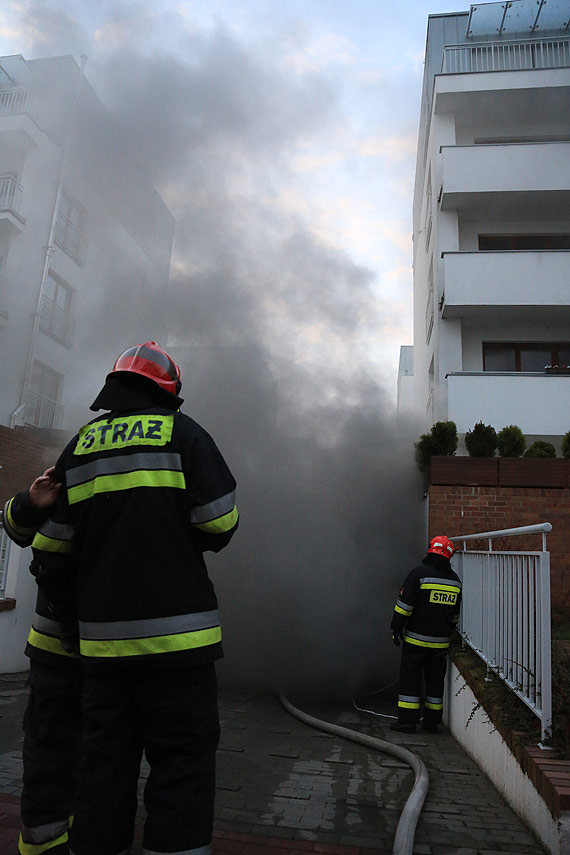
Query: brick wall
x=23, y=456
x=465, y=509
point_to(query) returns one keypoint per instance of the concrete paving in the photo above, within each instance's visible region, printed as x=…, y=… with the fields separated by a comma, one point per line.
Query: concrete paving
x=285, y=788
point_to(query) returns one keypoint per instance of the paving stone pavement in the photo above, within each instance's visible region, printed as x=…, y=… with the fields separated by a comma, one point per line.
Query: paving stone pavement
x=285, y=788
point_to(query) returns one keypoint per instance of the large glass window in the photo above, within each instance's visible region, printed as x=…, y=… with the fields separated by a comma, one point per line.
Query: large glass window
x=524, y=356
x=43, y=395
x=56, y=319
x=520, y=242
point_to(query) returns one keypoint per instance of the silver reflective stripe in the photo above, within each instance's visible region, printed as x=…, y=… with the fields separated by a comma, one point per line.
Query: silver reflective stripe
x=202, y=850
x=433, y=580
x=435, y=638
x=405, y=606
x=408, y=699
x=213, y=510
x=59, y=531
x=47, y=625
x=121, y=464
x=434, y=700
x=115, y=630
x=44, y=833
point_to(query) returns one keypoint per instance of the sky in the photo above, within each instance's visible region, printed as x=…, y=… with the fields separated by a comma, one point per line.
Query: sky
x=282, y=137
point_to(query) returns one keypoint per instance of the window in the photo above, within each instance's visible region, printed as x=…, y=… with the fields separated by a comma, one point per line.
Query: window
x=43, y=395
x=69, y=230
x=518, y=242
x=525, y=356
x=55, y=318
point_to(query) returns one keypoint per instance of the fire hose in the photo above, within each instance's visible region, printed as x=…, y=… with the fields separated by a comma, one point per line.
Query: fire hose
x=405, y=831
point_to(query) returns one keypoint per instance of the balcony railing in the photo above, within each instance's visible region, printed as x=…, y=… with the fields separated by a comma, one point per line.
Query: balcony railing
x=43, y=412
x=506, y=56
x=10, y=195
x=13, y=101
x=57, y=322
x=70, y=239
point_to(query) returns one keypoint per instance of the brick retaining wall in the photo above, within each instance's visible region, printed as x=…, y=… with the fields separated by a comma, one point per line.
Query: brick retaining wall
x=467, y=495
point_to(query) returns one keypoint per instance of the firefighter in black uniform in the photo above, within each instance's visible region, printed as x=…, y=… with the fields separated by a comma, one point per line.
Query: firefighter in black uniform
x=425, y=615
x=145, y=492
x=52, y=721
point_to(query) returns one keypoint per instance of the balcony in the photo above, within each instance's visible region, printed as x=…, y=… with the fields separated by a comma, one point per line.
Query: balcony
x=43, y=412
x=506, y=177
x=539, y=404
x=507, y=285
x=57, y=322
x=19, y=120
x=10, y=201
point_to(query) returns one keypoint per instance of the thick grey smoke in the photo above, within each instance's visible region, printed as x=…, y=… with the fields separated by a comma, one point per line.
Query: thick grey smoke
x=272, y=327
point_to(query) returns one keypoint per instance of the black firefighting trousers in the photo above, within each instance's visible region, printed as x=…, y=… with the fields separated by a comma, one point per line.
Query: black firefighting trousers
x=52, y=729
x=171, y=714
x=416, y=663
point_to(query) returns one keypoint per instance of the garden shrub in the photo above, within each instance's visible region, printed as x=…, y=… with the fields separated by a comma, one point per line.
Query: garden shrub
x=441, y=440
x=540, y=448
x=566, y=445
x=511, y=441
x=481, y=441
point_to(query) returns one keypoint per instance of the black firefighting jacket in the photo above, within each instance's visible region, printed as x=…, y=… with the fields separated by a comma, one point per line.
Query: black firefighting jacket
x=427, y=609
x=145, y=493
x=22, y=522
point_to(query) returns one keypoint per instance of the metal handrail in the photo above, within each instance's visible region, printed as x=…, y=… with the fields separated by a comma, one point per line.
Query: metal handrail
x=543, y=528
x=505, y=615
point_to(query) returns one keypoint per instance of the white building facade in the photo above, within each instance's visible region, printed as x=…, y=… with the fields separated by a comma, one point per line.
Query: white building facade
x=491, y=222
x=85, y=244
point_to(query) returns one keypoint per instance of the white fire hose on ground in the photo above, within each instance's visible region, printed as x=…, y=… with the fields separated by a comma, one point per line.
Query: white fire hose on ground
x=404, y=838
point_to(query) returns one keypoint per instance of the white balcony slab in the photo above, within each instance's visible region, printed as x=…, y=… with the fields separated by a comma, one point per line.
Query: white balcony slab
x=537, y=403
x=496, y=284
x=524, y=174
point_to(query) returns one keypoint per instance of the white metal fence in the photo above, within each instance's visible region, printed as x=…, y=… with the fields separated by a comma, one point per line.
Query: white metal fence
x=505, y=615
x=4, y=555
x=506, y=55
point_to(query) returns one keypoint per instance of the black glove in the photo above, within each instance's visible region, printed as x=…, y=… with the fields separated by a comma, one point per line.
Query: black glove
x=396, y=636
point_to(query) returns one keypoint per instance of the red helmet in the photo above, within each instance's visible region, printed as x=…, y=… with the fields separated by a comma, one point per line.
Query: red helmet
x=150, y=360
x=442, y=545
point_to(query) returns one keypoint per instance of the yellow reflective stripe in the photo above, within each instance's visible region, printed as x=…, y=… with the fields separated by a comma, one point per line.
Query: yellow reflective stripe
x=50, y=544
x=426, y=643
x=48, y=642
x=408, y=706
x=19, y=529
x=431, y=586
x=38, y=848
x=434, y=706
x=126, y=481
x=402, y=611
x=155, y=644
x=221, y=524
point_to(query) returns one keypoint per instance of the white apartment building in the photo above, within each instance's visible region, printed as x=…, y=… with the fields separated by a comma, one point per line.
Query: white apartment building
x=491, y=222
x=85, y=244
